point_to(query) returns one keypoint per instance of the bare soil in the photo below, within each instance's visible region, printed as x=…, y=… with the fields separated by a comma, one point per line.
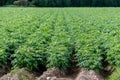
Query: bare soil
x=74, y=73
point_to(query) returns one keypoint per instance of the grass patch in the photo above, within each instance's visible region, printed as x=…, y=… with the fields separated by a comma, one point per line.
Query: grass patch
x=115, y=75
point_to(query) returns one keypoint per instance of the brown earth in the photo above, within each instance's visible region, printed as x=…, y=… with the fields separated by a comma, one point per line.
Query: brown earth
x=18, y=74
x=80, y=74
x=4, y=70
x=53, y=74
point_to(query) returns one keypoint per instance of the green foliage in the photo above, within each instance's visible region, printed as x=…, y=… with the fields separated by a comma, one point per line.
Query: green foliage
x=53, y=38
x=33, y=53
x=3, y=57
x=88, y=52
x=27, y=57
x=63, y=3
x=59, y=51
x=113, y=55
x=115, y=75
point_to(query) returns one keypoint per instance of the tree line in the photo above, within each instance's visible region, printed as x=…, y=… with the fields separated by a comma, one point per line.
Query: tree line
x=62, y=3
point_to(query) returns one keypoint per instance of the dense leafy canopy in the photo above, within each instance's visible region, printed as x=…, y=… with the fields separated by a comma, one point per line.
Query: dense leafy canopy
x=55, y=37
x=66, y=3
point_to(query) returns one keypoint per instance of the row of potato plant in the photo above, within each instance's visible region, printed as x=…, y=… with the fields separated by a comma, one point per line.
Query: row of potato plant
x=52, y=37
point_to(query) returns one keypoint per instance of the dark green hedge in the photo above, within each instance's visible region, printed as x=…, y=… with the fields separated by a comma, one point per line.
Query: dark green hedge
x=67, y=3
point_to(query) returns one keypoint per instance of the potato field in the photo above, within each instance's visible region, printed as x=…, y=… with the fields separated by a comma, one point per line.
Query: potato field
x=36, y=38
